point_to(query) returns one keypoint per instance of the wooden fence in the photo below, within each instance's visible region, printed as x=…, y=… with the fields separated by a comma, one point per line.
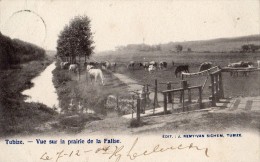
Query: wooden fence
x=182, y=98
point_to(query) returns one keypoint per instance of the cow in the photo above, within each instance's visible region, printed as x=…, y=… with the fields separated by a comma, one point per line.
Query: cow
x=94, y=64
x=145, y=65
x=74, y=68
x=205, y=66
x=113, y=66
x=154, y=63
x=240, y=64
x=162, y=65
x=181, y=68
x=151, y=68
x=64, y=65
x=95, y=73
x=131, y=65
x=134, y=65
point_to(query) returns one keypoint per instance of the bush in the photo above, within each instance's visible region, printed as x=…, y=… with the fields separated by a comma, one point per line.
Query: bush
x=134, y=123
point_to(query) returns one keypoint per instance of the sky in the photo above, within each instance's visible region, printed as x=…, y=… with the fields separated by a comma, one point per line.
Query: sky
x=115, y=23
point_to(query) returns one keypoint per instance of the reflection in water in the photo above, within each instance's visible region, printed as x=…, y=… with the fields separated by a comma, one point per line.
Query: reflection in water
x=43, y=90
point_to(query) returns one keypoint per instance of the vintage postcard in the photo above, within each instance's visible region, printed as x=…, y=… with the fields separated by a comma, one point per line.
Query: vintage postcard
x=121, y=80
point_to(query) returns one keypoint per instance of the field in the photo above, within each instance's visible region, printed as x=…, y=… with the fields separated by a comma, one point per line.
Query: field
x=233, y=86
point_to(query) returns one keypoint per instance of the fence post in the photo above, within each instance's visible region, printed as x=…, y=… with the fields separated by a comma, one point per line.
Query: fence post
x=200, y=97
x=117, y=104
x=165, y=102
x=138, y=109
x=79, y=69
x=133, y=106
x=217, y=87
x=183, y=105
x=147, y=93
x=189, y=95
x=213, y=89
x=155, y=95
x=221, y=85
x=169, y=86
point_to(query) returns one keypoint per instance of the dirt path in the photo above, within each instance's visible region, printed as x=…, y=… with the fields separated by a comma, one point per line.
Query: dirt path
x=133, y=85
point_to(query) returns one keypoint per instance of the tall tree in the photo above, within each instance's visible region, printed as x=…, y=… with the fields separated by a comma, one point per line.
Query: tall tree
x=76, y=39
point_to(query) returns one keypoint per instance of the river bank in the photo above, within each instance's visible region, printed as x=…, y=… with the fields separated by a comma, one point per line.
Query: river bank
x=79, y=97
x=17, y=116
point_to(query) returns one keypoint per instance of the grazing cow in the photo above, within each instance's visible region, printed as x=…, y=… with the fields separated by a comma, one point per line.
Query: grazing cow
x=113, y=66
x=131, y=65
x=155, y=64
x=74, y=68
x=162, y=65
x=134, y=65
x=241, y=64
x=95, y=73
x=94, y=64
x=64, y=65
x=151, y=68
x=205, y=66
x=145, y=65
x=181, y=68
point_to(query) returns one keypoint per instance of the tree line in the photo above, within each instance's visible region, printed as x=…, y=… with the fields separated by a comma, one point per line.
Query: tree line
x=15, y=52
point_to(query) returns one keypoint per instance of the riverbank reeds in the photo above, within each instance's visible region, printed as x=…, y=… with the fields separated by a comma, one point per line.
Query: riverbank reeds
x=17, y=116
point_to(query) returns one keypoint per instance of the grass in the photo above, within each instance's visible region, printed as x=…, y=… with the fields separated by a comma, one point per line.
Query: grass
x=18, y=117
x=233, y=86
x=91, y=96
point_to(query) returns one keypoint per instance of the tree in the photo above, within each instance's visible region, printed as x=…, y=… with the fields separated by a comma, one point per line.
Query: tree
x=245, y=48
x=178, y=48
x=249, y=48
x=76, y=39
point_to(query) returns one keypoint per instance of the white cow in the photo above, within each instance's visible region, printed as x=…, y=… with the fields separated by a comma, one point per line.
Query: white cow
x=151, y=68
x=95, y=73
x=73, y=67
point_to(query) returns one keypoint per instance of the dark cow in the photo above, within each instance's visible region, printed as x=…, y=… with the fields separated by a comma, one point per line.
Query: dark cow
x=205, y=66
x=181, y=68
x=162, y=65
x=131, y=65
x=145, y=65
x=134, y=65
x=240, y=64
x=94, y=64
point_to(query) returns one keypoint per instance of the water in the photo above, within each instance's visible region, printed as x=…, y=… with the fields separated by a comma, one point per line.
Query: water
x=43, y=90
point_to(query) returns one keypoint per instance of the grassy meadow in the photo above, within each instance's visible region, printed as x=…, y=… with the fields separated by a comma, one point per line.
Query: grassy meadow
x=233, y=86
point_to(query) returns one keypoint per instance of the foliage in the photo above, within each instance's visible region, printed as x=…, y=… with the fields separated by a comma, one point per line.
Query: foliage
x=135, y=123
x=76, y=39
x=178, y=48
x=15, y=51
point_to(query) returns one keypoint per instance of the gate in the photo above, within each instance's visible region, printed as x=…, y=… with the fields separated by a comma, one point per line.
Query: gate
x=216, y=86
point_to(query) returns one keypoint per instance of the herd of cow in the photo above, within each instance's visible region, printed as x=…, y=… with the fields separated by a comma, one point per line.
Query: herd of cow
x=94, y=69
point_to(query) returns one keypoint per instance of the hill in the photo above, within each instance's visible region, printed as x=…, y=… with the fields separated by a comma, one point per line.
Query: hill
x=15, y=51
x=213, y=45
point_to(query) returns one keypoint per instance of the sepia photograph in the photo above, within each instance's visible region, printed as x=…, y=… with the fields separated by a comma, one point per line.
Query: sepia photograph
x=121, y=80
